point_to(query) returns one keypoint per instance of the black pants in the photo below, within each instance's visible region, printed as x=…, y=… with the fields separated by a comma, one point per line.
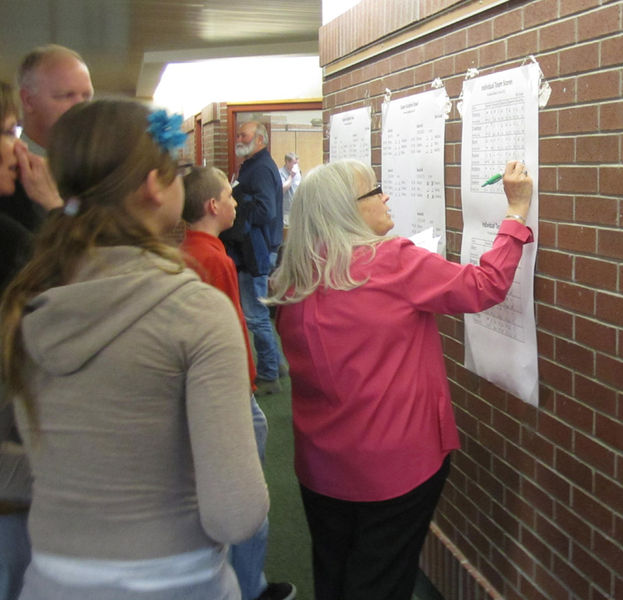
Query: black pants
x=370, y=550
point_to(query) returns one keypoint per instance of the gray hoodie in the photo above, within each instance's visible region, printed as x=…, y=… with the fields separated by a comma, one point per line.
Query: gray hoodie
x=146, y=445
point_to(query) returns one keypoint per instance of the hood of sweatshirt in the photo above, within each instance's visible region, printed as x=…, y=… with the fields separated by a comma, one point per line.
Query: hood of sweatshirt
x=66, y=326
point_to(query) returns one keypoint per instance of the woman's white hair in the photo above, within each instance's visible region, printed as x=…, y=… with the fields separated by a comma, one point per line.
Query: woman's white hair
x=325, y=226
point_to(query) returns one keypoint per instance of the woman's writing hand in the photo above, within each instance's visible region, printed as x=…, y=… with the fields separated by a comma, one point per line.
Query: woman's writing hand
x=518, y=188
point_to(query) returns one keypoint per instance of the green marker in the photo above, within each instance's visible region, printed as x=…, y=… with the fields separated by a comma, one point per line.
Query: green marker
x=492, y=180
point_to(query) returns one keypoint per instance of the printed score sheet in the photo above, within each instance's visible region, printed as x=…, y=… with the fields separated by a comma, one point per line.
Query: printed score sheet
x=413, y=139
x=350, y=136
x=500, y=123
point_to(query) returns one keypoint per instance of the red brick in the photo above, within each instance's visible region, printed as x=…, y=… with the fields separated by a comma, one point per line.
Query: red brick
x=595, y=454
x=547, y=234
x=542, y=11
x=555, y=207
x=548, y=122
x=551, y=533
x=400, y=80
x=536, y=546
x=595, y=335
x=528, y=589
x=521, y=460
x=570, y=7
x=545, y=344
x=555, y=320
x=563, y=92
x=457, y=40
x=544, y=290
x=507, y=23
x=578, y=119
x=466, y=60
x=575, y=297
x=556, y=430
x=549, y=63
x=560, y=33
x=522, y=44
x=610, y=308
x=556, y=150
x=596, y=210
x=610, y=431
x=423, y=73
x=608, y=491
x=577, y=238
x=433, y=49
x=574, y=470
x=465, y=422
x=598, y=23
x=611, y=553
x=575, y=525
x=599, y=86
x=596, y=273
x=595, y=513
x=575, y=180
x=492, y=54
x=565, y=571
x=597, y=149
x=598, y=395
x=610, y=371
x=611, y=115
x=611, y=51
x=556, y=376
x=575, y=356
x=577, y=415
x=610, y=242
x=491, y=571
x=505, y=519
x=480, y=409
x=552, y=587
x=524, y=511
x=579, y=59
x=610, y=180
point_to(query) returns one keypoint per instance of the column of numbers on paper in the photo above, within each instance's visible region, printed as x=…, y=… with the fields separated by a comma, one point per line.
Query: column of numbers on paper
x=504, y=318
x=408, y=180
x=498, y=135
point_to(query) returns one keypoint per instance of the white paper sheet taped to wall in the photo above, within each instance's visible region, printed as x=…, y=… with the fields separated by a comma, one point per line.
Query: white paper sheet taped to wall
x=413, y=140
x=500, y=123
x=350, y=135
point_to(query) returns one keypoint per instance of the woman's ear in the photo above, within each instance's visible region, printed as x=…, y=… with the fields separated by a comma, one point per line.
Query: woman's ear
x=153, y=187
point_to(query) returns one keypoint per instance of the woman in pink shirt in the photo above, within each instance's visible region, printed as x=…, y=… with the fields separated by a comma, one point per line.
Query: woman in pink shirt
x=373, y=421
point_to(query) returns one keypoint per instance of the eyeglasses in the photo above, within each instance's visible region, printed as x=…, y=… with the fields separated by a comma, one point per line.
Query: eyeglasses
x=183, y=169
x=377, y=190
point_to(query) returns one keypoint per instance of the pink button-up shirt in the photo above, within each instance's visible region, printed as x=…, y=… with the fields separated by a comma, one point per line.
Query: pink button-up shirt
x=370, y=398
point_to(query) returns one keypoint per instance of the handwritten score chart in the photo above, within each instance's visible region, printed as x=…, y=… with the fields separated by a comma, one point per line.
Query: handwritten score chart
x=413, y=163
x=350, y=135
x=500, y=123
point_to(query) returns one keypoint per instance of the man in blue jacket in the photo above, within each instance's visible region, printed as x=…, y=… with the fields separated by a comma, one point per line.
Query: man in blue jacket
x=253, y=243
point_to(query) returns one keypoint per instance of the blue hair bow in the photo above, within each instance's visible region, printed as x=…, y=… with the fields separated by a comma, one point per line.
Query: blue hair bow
x=166, y=130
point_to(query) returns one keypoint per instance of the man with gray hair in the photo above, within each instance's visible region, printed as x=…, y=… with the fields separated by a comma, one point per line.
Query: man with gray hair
x=253, y=243
x=51, y=80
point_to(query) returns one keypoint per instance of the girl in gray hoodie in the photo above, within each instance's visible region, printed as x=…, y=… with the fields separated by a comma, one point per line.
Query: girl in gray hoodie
x=124, y=371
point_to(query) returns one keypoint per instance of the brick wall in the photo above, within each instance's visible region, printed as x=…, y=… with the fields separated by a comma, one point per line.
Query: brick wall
x=534, y=506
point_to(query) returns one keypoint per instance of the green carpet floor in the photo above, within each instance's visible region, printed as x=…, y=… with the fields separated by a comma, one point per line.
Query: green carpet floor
x=289, y=545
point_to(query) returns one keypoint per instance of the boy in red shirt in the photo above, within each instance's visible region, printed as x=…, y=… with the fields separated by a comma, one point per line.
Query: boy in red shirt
x=209, y=209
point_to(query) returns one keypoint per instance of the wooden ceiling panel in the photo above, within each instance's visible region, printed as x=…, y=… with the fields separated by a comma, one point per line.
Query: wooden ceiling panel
x=114, y=35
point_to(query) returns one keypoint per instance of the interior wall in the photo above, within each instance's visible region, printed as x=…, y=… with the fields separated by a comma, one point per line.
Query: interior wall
x=534, y=504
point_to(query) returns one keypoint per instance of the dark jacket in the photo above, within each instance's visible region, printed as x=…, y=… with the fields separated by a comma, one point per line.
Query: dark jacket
x=258, y=229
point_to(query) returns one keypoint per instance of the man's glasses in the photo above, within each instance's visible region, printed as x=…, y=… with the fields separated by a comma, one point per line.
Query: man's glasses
x=377, y=190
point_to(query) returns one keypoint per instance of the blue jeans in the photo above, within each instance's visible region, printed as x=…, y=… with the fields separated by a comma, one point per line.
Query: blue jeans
x=247, y=558
x=258, y=321
x=14, y=554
